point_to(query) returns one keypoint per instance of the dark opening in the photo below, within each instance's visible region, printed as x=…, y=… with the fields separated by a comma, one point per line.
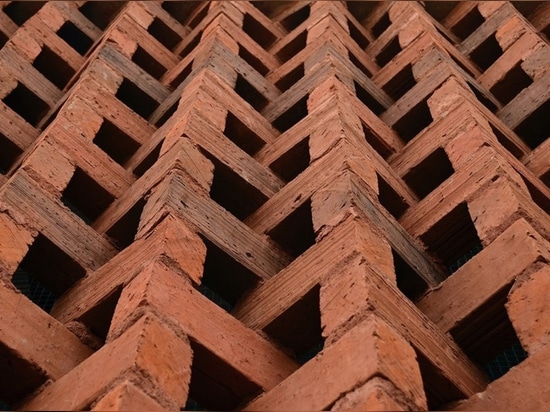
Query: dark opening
x=4, y=406
x=167, y=114
x=483, y=97
x=26, y=104
x=113, y=141
x=33, y=290
x=439, y=9
x=391, y=50
x=426, y=176
x=401, y=83
x=527, y=8
x=75, y=37
x=258, y=32
x=486, y=53
x=453, y=238
x=293, y=47
x=357, y=35
x=124, y=231
x=51, y=267
x=360, y=10
x=148, y=63
x=101, y=13
x=98, y=319
x=224, y=279
x=546, y=178
x=181, y=10
x=368, y=100
x=535, y=129
x=381, y=25
x=408, y=281
x=21, y=11
x=164, y=34
x=390, y=199
x=136, y=99
x=295, y=19
x=376, y=142
x=287, y=81
x=510, y=85
x=85, y=197
x=538, y=197
x=233, y=193
x=504, y=361
x=198, y=17
x=546, y=31
x=295, y=233
x=299, y=327
x=253, y=60
x=53, y=67
x=191, y=45
x=357, y=63
x=182, y=75
x=215, y=385
x=149, y=161
x=469, y=23
x=241, y=135
x=250, y=94
x=9, y=152
x=293, y=162
x=3, y=40
x=507, y=143
x=413, y=122
x=292, y=116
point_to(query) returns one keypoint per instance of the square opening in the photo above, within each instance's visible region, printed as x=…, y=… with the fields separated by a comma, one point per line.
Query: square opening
x=183, y=74
x=292, y=116
x=181, y=10
x=167, y=113
x=253, y=60
x=391, y=50
x=241, y=135
x=381, y=25
x=75, y=37
x=546, y=178
x=149, y=161
x=191, y=44
x=390, y=199
x=427, y=175
x=136, y=99
x=148, y=63
x=164, y=34
x=258, y=32
x=290, y=79
x=510, y=85
x=295, y=19
x=249, y=93
x=101, y=13
x=486, y=53
x=21, y=11
x=293, y=47
x=537, y=196
x=401, y=83
x=215, y=385
x=98, y=319
x=468, y=24
x=113, y=141
x=408, y=281
x=453, y=240
x=9, y=153
x=414, y=121
x=368, y=100
x=26, y=104
x=53, y=67
x=357, y=35
x=439, y=9
x=535, y=129
x=376, y=142
x=506, y=142
x=299, y=327
x=295, y=233
x=483, y=97
x=293, y=162
x=123, y=232
x=85, y=197
x=3, y=40
x=357, y=63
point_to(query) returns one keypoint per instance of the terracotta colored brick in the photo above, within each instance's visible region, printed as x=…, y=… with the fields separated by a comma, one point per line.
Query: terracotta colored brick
x=127, y=397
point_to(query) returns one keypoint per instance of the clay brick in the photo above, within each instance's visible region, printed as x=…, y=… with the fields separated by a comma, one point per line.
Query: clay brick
x=377, y=394
x=127, y=397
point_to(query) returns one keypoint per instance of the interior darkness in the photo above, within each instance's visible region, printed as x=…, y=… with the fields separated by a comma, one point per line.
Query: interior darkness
x=468, y=24
x=287, y=81
x=53, y=67
x=295, y=19
x=258, y=32
x=527, y=7
x=192, y=44
x=101, y=13
x=148, y=63
x=376, y=142
x=381, y=26
x=167, y=113
x=85, y=197
x=149, y=161
x=546, y=178
x=482, y=97
x=113, y=141
x=292, y=116
x=253, y=60
x=293, y=162
x=215, y=385
x=241, y=135
x=390, y=199
x=538, y=197
x=98, y=319
x=292, y=48
x=506, y=143
x=182, y=75
x=50, y=266
x=357, y=35
x=509, y=87
x=299, y=327
x=75, y=37
x=295, y=233
x=164, y=34
x=452, y=237
x=360, y=10
x=18, y=377
x=232, y=192
x=439, y=9
x=136, y=99
x=391, y=50
x=123, y=232
x=250, y=94
x=413, y=122
x=408, y=281
x=224, y=276
x=401, y=83
x=26, y=104
x=486, y=53
x=425, y=177
x=3, y=39
x=357, y=63
x=181, y=10
x=368, y=100
x=535, y=129
x=9, y=152
x=21, y=11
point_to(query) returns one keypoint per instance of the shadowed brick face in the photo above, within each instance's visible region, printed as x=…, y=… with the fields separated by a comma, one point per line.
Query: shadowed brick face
x=255, y=205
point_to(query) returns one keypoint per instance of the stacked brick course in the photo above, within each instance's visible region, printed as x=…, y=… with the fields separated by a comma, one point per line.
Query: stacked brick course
x=274, y=205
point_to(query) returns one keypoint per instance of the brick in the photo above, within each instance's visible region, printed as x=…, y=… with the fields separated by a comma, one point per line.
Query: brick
x=127, y=397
